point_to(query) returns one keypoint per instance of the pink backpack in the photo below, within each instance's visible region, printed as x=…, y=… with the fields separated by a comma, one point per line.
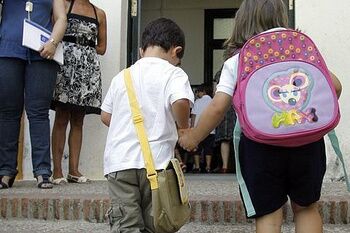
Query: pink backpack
x=284, y=94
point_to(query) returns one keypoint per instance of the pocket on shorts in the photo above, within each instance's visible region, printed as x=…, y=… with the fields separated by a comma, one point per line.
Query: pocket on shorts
x=115, y=215
x=111, y=176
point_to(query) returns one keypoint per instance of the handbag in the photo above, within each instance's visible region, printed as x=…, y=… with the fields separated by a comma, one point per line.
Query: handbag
x=170, y=203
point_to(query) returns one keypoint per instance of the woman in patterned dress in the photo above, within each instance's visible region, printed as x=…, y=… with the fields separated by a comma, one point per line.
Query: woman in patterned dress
x=78, y=88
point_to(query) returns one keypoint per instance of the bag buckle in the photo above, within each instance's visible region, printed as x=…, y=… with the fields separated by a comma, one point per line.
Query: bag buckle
x=137, y=119
x=151, y=175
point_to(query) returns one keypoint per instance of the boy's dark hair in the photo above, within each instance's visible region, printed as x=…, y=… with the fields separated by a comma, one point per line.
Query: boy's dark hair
x=164, y=33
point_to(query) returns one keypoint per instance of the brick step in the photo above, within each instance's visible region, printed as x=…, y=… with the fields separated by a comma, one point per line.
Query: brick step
x=93, y=209
x=213, y=200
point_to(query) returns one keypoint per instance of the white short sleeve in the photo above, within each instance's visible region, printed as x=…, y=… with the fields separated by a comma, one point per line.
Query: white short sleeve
x=179, y=87
x=228, y=77
x=107, y=105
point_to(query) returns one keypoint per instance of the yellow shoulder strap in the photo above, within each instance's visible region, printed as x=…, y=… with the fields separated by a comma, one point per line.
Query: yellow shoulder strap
x=140, y=130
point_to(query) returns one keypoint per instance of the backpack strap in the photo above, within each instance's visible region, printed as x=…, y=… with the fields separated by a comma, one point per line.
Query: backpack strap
x=335, y=144
x=244, y=191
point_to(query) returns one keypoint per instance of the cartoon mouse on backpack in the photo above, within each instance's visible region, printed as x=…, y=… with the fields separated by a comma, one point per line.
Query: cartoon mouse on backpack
x=287, y=93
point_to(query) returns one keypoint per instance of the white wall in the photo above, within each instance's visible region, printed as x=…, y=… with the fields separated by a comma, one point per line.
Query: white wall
x=94, y=135
x=327, y=22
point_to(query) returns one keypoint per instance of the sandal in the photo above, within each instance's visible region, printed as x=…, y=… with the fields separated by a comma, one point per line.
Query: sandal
x=224, y=170
x=43, y=182
x=58, y=181
x=196, y=170
x=77, y=179
x=6, y=182
x=183, y=167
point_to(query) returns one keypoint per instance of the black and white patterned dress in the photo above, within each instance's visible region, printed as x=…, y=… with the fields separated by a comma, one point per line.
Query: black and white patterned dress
x=78, y=84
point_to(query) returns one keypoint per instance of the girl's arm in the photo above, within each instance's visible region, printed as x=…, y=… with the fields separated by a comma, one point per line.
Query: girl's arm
x=59, y=27
x=102, y=32
x=209, y=119
x=337, y=84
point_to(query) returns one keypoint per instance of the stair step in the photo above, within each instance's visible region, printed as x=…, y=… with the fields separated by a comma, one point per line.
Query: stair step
x=68, y=226
x=214, y=198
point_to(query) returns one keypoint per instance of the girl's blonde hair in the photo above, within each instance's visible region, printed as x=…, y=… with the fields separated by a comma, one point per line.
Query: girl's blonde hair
x=252, y=18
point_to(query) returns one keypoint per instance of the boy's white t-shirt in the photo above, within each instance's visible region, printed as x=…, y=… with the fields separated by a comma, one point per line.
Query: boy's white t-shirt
x=199, y=106
x=158, y=84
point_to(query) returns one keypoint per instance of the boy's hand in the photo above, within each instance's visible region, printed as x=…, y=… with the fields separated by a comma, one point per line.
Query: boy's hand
x=187, y=139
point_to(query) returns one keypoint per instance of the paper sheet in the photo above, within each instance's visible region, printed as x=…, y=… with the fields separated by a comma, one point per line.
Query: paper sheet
x=34, y=36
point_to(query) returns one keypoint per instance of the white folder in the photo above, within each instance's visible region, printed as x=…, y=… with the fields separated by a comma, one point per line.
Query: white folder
x=34, y=36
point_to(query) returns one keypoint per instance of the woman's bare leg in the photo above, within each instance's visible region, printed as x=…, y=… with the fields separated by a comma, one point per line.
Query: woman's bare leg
x=58, y=140
x=225, y=153
x=74, y=141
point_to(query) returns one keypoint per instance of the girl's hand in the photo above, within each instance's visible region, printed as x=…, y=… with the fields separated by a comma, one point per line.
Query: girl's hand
x=48, y=50
x=187, y=139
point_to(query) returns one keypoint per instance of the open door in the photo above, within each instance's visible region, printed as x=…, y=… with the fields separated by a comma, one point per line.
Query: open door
x=134, y=18
x=291, y=12
x=218, y=28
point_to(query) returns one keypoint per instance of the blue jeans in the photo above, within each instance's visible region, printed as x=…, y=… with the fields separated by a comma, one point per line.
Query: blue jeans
x=32, y=85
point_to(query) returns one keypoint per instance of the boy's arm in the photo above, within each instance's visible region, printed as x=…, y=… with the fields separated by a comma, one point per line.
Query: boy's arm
x=209, y=119
x=181, y=111
x=337, y=84
x=106, y=118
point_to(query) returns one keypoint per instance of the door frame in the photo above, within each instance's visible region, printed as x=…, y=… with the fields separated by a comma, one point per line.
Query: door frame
x=210, y=44
x=291, y=12
x=133, y=40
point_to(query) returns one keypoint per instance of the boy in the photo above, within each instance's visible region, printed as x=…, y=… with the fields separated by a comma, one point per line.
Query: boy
x=205, y=147
x=164, y=94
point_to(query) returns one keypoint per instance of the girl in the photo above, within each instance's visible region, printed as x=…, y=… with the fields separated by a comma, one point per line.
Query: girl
x=271, y=173
x=78, y=87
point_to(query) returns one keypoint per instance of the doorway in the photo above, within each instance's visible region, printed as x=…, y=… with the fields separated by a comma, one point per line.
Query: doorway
x=206, y=24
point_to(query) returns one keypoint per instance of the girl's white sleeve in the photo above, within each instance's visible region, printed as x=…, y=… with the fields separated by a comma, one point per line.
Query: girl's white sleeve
x=228, y=77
